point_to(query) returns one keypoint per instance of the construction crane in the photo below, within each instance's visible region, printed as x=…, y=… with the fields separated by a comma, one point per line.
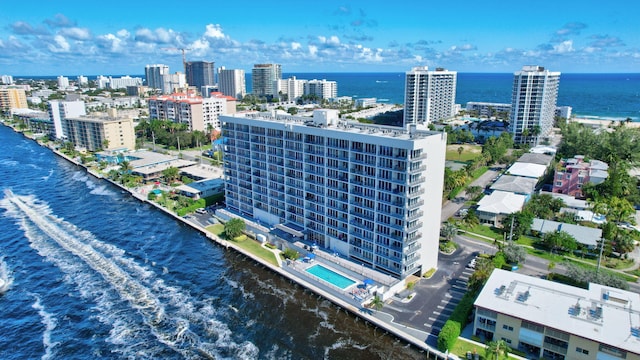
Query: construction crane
x=184, y=58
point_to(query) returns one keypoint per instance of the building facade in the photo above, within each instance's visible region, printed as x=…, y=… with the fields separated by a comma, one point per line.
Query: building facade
x=60, y=110
x=196, y=112
x=231, y=82
x=321, y=88
x=153, y=74
x=12, y=99
x=549, y=320
x=264, y=79
x=533, y=103
x=199, y=74
x=63, y=82
x=100, y=133
x=429, y=95
x=370, y=193
x=572, y=174
x=487, y=109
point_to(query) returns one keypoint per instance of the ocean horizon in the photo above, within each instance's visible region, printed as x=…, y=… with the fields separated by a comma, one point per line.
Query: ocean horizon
x=599, y=96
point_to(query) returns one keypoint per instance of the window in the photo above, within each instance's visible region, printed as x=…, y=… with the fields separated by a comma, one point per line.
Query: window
x=558, y=183
x=507, y=327
x=582, y=351
x=508, y=341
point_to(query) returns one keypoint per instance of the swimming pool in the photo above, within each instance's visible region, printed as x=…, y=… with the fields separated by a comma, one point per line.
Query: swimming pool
x=330, y=276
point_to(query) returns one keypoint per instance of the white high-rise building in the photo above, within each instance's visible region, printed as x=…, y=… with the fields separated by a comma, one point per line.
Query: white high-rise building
x=533, y=103
x=173, y=82
x=6, y=79
x=60, y=110
x=102, y=82
x=153, y=75
x=292, y=87
x=123, y=82
x=231, y=82
x=264, y=79
x=82, y=80
x=370, y=193
x=322, y=88
x=429, y=95
x=63, y=82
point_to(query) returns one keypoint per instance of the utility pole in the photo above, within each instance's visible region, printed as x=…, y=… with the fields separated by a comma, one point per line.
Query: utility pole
x=513, y=216
x=600, y=256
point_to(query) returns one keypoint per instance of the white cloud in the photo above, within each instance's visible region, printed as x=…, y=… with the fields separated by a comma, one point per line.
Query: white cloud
x=112, y=42
x=159, y=35
x=313, y=50
x=214, y=31
x=123, y=33
x=563, y=48
x=295, y=45
x=62, y=45
x=76, y=33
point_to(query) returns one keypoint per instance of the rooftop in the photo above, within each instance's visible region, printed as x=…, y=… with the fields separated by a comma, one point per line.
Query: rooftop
x=601, y=314
x=515, y=184
x=501, y=202
x=584, y=235
x=536, y=158
x=527, y=170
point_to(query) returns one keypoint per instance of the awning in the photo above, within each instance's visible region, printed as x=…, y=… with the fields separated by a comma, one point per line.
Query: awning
x=311, y=256
x=289, y=229
x=368, y=282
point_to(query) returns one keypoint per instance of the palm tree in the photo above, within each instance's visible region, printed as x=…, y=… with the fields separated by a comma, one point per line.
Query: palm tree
x=460, y=150
x=377, y=303
x=448, y=231
x=497, y=349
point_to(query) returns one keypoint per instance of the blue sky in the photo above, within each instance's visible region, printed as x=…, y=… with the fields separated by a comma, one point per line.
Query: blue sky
x=44, y=37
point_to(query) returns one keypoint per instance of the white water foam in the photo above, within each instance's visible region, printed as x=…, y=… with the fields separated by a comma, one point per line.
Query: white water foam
x=45, y=178
x=169, y=315
x=50, y=323
x=6, y=275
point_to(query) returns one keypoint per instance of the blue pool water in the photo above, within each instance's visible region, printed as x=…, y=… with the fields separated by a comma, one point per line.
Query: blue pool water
x=330, y=276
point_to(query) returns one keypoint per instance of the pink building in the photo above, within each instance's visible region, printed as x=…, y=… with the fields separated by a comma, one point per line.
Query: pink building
x=572, y=173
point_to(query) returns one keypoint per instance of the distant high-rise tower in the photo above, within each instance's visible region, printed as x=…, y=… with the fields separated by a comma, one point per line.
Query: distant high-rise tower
x=200, y=73
x=264, y=77
x=533, y=104
x=63, y=82
x=153, y=74
x=231, y=82
x=429, y=95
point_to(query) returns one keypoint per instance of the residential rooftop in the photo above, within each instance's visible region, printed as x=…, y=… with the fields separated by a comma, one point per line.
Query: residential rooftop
x=602, y=314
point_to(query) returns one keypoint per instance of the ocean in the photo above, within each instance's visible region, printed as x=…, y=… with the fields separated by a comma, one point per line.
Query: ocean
x=606, y=96
x=96, y=274
x=597, y=96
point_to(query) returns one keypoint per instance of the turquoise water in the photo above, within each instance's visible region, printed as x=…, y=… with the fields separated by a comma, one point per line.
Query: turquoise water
x=330, y=276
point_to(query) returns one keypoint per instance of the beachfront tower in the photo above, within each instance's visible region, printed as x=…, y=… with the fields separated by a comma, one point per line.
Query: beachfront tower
x=264, y=79
x=533, y=104
x=370, y=193
x=154, y=73
x=231, y=82
x=429, y=96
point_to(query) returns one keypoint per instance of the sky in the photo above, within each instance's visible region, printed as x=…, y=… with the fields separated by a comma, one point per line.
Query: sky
x=70, y=37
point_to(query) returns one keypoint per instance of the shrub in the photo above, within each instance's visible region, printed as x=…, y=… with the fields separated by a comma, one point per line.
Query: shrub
x=291, y=254
x=429, y=273
x=499, y=260
x=448, y=335
x=270, y=245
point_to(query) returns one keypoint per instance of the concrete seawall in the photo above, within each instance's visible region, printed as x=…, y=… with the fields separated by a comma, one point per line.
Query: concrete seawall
x=375, y=318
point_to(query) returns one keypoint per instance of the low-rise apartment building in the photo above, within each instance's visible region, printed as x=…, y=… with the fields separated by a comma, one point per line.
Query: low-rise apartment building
x=572, y=173
x=196, y=112
x=549, y=320
x=100, y=132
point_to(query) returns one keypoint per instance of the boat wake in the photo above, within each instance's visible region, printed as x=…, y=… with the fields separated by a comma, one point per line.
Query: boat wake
x=50, y=323
x=135, y=302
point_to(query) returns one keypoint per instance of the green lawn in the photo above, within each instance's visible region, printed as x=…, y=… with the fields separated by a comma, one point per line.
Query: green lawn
x=461, y=347
x=470, y=152
x=247, y=244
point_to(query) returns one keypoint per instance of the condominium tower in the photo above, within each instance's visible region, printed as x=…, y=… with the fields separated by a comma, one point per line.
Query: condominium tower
x=264, y=79
x=12, y=98
x=429, y=96
x=533, y=103
x=231, y=82
x=200, y=74
x=370, y=193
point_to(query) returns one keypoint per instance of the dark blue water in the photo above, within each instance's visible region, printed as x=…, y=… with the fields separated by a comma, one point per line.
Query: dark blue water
x=610, y=96
x=614, y=96
x=96, y=274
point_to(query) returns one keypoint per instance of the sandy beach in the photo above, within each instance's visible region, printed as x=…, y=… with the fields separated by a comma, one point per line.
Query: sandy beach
x=602, y=122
